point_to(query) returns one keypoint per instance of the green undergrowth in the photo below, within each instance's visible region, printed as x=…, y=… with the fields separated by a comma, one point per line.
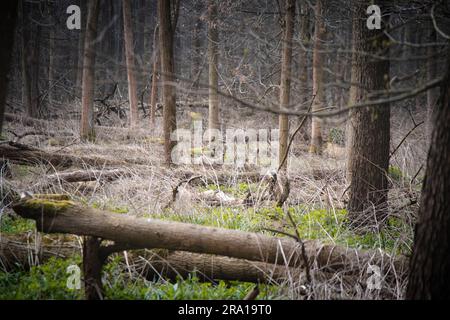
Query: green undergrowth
x=10, y=225
x=329, y=226
x=238, y=190
x=49, y=281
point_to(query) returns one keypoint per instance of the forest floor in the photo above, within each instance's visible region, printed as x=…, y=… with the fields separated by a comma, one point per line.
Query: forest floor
x=316, y=201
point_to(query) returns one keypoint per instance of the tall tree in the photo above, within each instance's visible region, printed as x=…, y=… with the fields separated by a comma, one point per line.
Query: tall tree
x=131, y=65
x=30, y=47
x=370, y=127
x=318, y=74
x=213, y=58
x=285, y=83
x=303, y=52
x=429, y=272
x=432, y=94
x=155, y=75
x=8, y=17
x=196, y=45
x=87, y=131
x=166, y=35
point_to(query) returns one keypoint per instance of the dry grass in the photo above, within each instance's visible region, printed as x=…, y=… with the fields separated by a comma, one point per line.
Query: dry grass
x=317, y=183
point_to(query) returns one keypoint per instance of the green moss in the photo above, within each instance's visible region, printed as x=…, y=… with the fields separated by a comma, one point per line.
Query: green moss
x=51, y=206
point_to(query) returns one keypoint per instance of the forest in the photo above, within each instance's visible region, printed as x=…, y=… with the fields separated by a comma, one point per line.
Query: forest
x=224, y=150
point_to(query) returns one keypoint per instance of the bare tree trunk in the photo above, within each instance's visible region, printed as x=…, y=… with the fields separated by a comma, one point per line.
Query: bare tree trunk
x=26, y=83
x=81, y=49
x=213, y=57
x=51, y=65
x=92, y=268
x=303, y=54
x=167, y=68
x=285, y=83
x=87, y=101
x=131, y=66
x=370, y=127
x=433, y=93
x=155, y=76
x=318, y=85
x=8, y=16
x=429, y=277
x=196, y=46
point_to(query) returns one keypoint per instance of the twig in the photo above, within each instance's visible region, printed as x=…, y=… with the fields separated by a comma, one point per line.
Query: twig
x=294, y=134
x=405, y=137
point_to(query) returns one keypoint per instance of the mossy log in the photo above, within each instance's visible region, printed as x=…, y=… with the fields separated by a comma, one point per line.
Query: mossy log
x=69, y=217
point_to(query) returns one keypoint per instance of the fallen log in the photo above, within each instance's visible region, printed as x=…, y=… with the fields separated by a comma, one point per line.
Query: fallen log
x=26, y=121
x=23, y=251
x=68, y=217
x=83, y=176
x=170, y=265
x=23, y=154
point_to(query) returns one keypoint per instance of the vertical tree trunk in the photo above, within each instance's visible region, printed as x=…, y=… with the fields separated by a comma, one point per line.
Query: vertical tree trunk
x=27, y=99
x=196, y=46
x=213, y=54
x=131, y=66
x=370, y=127
x=285, y=83
x=155, y=76
x=92, y=268
x=81, y=48
x=167, y=69
x=51, y=65
x=87, y=101
x=318, y=85
x=433, y=93
x=8, y=16
x=429, y=273
x=303, y=54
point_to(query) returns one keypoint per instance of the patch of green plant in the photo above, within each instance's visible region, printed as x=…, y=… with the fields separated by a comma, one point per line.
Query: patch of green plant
x=21, y=170
x=396, y=173
x=238, y=190
x=337, y=136
x=332, y=226
x=15, y=225
x=110, y=207
x=47, y=281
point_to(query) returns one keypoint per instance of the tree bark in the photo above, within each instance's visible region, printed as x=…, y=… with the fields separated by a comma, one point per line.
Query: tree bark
x=430, y=264
x=92, y=268
x=131, y=65
x=213, y=59
x=433, y=93
x=370, y=127
x=87, y=131
x=8, y=17
x=303, y=54
x=30, y=61
x=318, y=85
x=167, y=68
x=285, y=83
x=155, y=77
